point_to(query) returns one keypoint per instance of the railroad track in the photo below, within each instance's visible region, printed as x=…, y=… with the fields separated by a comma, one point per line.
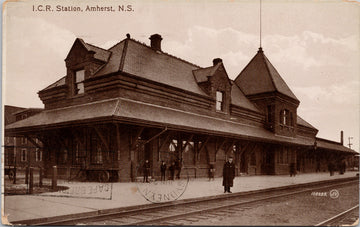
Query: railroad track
x=347, y=217
x=170, y=213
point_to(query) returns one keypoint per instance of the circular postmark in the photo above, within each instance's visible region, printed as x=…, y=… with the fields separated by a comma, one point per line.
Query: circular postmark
x=334, y=194
x=156, y=189
x=162, y=191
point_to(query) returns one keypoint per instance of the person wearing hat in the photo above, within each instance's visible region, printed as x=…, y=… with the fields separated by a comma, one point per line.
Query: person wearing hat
x=228, y=175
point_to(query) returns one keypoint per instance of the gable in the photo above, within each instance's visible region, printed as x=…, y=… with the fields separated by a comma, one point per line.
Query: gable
x=220, y=76
x=77, y=53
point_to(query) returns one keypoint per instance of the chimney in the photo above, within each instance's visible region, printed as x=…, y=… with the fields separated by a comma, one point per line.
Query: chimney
x=342, y=138
x=216, y=61
x=156, y=42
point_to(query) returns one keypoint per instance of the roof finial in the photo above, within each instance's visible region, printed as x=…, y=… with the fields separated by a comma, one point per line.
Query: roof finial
x=260, y=23
x=128, y=35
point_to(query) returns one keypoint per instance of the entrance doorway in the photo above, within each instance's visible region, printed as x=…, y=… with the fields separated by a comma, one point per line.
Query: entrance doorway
x=269, y=161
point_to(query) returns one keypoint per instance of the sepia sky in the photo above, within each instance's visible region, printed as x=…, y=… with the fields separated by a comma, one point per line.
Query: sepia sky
x=314, y=45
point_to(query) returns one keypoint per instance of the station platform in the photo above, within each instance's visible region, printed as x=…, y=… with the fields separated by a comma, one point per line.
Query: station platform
x=87, y=197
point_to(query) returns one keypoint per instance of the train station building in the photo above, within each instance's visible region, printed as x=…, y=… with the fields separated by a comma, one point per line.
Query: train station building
x=116, y=108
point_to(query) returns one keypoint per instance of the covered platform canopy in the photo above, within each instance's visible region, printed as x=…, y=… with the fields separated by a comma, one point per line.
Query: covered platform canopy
x=121, y=110
x=331, y=145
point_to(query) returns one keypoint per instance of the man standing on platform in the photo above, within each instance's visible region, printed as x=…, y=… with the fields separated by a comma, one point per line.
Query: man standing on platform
x=228, y=175
x=146, y=171
x=172, y=170
x=163, y=170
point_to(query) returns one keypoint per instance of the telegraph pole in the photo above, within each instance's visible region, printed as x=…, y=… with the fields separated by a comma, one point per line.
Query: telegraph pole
x=349, y=142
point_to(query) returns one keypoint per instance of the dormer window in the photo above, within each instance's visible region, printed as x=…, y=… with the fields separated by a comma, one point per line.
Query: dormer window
x=79, y=81
x=219, y=101
x=286, y=117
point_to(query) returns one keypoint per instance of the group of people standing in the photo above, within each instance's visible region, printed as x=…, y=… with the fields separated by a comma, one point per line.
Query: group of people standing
x=175, y=166
x=228, y=172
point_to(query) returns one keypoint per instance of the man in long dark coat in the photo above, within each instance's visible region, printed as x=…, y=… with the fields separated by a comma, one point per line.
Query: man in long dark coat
x=228, y=175
x=163, y=170
x=178, y=168
x=172, y=170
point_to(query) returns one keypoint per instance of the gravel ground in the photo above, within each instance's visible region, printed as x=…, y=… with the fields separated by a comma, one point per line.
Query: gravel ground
x=303, y=209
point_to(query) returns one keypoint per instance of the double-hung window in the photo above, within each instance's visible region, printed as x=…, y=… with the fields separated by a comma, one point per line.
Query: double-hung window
x=79, y=82
x=219, y=101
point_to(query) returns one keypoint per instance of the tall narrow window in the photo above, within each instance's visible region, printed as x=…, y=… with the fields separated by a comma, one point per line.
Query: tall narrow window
x=38, y=155
x=219, y=101
x=285, y=117
x=23, y=155
x=79, y=81
x=23, y=140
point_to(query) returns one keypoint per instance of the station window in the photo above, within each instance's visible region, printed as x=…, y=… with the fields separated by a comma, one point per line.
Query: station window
x=79, y=81
x=98, y=156
x=64, y=156
x=286, y=117
x=79, y=153
x=219, y=101
x=38, y=155
x=173, y=145
x=188, y=146
x=188, y=153
x=23, y=155
x=23, y=140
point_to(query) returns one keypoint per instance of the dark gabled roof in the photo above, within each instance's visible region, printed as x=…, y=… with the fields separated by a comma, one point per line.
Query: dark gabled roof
x=201, y=75
x=260, y=76
x=100, y=53
x=137, y=59
x=302, y=122
x=238, y=98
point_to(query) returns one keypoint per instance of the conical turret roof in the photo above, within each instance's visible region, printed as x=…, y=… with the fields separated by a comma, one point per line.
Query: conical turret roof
x=260, y=76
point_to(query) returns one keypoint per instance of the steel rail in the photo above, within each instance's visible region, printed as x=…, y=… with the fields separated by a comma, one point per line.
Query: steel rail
x=118, y=215
x=222, y=207
x=336, y=218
